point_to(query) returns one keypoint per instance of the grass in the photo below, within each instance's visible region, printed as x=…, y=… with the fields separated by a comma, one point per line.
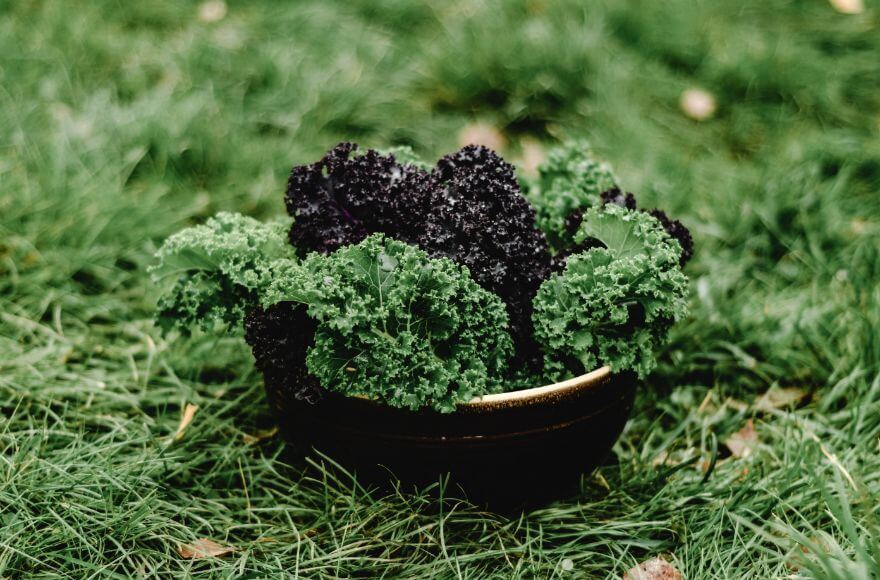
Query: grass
x=122, y=122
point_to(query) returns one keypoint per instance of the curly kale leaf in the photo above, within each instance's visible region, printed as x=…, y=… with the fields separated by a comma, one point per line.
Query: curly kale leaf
x=220, y=268
x=280, y=337
x=344, y=197
x=612, y=305
x=674, y=228
x=479, y=218
x=571, y=179
x=400, y=327
x=678, y=232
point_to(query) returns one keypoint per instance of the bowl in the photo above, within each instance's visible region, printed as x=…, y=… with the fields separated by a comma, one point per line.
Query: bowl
x=507, y=449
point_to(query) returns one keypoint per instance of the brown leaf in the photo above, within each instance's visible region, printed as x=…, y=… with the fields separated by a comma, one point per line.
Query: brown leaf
x=780, y=397
x=480, y=133
x=203, y=548
x=743, y=442
x=260, y=435
x=189, y=412
x=653, y=569
x=697, y=104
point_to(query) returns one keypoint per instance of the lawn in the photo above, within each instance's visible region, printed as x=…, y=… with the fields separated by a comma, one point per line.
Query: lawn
x=121, y=122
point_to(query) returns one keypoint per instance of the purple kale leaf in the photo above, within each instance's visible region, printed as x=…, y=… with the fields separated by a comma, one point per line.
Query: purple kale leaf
x=279, y=337
x=344, y=197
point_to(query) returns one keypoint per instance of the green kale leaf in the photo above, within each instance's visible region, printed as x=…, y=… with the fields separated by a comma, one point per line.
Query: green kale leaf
x=220, y=269
x=571, y=179
x=397, y=326
x=612, y=305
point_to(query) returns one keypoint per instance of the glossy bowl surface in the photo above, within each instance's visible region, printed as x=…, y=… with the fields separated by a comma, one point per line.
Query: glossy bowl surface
x=514, y=448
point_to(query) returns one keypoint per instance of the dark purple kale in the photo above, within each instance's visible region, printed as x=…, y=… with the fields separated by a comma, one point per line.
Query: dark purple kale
x=478, y=217
x=469, y=209
x=615, y=196
x=279, y=337
x=343, y=198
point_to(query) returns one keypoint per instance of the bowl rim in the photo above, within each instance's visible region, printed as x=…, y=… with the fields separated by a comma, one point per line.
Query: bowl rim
x=526, y=396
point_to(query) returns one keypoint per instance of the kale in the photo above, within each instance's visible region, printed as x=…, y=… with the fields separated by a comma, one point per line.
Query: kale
x=414, y=285
x=397, y=326
x=571, y=179
x=342, y=198
x=678, y=232
x=280, y=336
x=617, y=197
x=219, y=268
x=378, y=318
x=479, y=218
x=469, y=209
x=615, y=304
x=674, y=228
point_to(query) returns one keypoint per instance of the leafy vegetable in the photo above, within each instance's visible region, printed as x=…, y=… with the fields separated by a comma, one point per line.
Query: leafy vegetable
x=615, y=196
x=395, y=325
x=220, y=268
x=468, y=209
x=379, y=318
x=677, y=231
x=571, y=179
x=280, y=336
x=413, y=285
x=674, y=228
x=612, y=305
x=479, y=218
x=342, y=198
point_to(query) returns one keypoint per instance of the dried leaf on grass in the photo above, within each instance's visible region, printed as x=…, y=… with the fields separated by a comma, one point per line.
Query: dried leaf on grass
x=743, y=442
x=780, y=397
x=189, y=412
x=203, y=548
x=260, y=435
x=653, y=569
x=531, y=157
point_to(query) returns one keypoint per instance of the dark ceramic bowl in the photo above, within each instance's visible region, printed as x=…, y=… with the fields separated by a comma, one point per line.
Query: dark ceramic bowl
x=514, y=448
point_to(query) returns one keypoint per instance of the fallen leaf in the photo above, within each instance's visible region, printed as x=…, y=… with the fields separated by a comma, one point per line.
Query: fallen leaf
x=848, y=6
x=858, y=226
x=480, y=133
x=203, y=548
x=697, y=104
x=212, y=11
x=260, y=435
x=743, y=442
x=188, y=413
x=653, y=569
x=779, y=397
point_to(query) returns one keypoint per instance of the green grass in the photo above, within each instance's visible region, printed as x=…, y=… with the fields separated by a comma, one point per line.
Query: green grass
x=123, y=122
